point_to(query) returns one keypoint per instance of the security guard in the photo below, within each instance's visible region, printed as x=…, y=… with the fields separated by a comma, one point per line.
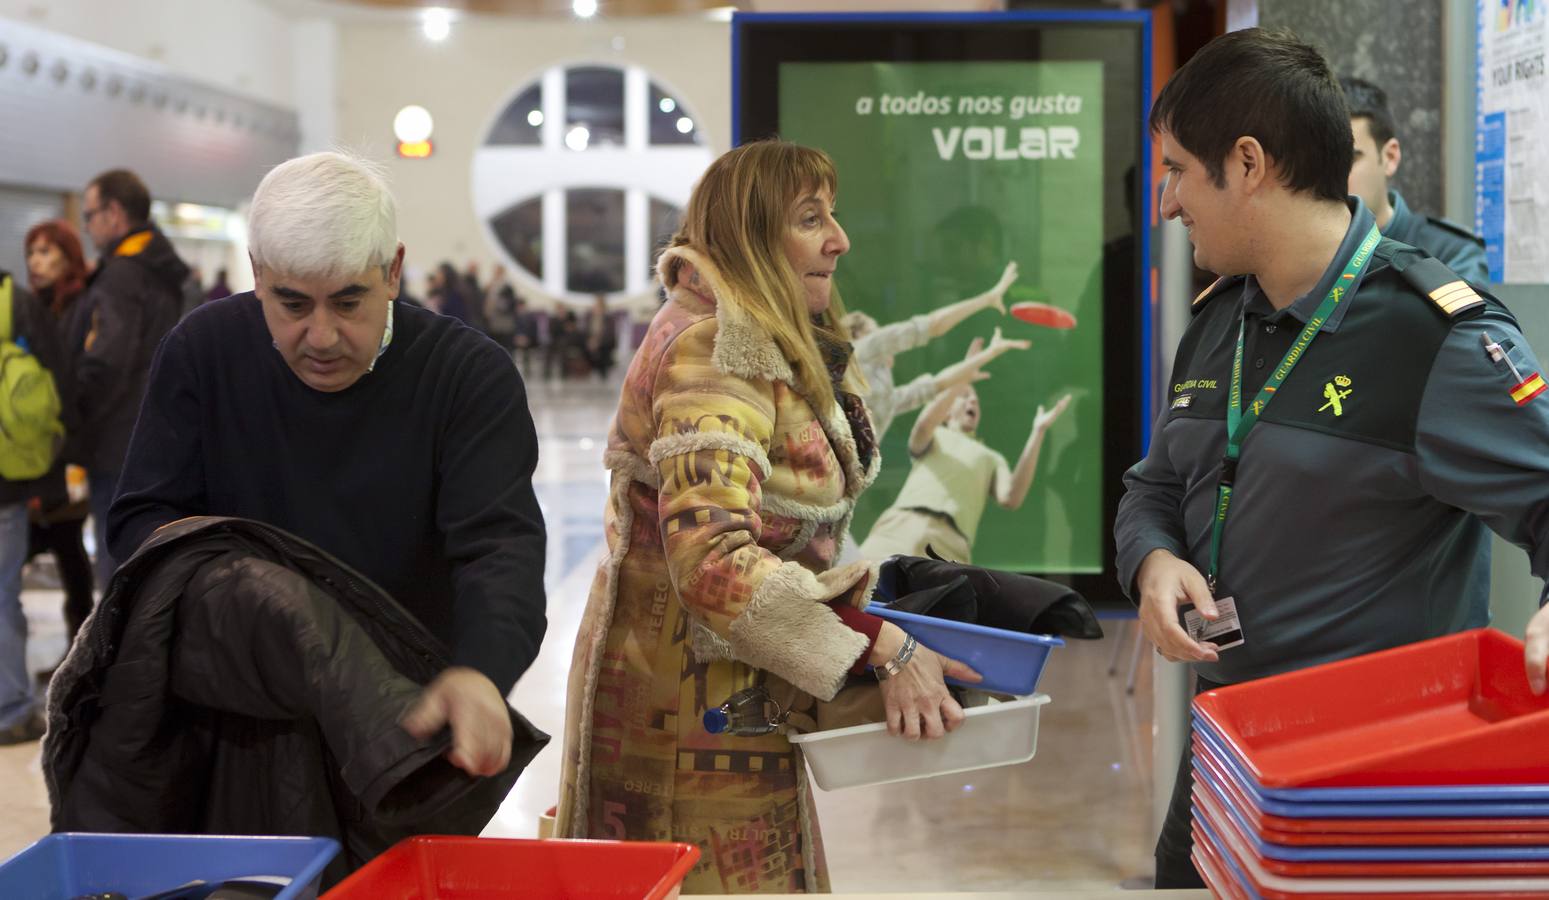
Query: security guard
x=1377, y=157
x=1345, y=416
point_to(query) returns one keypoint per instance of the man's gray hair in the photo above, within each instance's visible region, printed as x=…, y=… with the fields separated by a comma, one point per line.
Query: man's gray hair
x=324, y=215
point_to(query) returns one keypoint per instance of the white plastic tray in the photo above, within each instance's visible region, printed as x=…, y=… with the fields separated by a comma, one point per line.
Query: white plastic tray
x=999, y=734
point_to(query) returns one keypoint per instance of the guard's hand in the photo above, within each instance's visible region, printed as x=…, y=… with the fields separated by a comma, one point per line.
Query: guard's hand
x=469, y=702
x=917, y=701
x=997, y=295
x=1536, y=649
x=1166, y=583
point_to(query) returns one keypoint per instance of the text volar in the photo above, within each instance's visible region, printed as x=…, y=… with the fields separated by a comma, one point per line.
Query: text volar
x=978, y=142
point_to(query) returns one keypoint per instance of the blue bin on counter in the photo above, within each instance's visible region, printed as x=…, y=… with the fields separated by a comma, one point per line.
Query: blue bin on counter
x=62, y=866
x=1010, y=661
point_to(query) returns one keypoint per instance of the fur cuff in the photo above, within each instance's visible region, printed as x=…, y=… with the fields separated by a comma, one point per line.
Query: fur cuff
x=632, y=467
x=783, y=630
x=694, y=441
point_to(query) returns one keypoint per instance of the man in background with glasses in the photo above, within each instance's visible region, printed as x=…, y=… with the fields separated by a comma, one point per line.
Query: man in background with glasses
x=133, y=299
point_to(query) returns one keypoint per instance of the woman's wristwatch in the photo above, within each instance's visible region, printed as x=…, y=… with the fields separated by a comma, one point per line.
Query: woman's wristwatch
x=896, y=664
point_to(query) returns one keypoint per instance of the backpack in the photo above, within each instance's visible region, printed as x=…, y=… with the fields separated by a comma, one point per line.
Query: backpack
x=30, y=431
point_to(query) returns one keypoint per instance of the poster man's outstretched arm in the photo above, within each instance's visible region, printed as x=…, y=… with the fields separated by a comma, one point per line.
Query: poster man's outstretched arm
x=1011, y=495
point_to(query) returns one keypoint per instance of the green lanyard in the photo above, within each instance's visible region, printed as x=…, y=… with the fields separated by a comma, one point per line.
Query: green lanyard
x=1240, y=421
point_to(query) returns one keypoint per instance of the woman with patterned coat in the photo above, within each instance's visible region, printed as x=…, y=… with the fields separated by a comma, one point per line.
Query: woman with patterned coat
x=738, y=450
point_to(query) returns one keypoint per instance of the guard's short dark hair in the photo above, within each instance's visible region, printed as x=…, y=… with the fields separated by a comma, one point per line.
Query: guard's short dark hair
x=1369, y=102
x=1269, y=85
x=125, y=188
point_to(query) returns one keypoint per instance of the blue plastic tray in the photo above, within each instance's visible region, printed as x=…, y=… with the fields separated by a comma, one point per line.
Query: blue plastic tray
x=1490, y=793
x=1429, y=853
x=1011, y=662
x=1367, y=810
x=62, y=866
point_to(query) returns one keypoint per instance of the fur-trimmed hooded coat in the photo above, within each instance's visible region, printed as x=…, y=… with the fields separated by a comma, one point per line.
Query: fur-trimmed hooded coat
x=730, y=496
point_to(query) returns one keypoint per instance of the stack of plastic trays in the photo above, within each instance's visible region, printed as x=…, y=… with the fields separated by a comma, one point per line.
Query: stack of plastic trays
x=1417, y=772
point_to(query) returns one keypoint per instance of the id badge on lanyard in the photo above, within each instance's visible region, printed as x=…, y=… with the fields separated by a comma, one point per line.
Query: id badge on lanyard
x=1240, y=420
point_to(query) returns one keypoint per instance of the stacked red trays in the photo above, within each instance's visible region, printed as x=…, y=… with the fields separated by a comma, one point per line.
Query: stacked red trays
x=1417, y=772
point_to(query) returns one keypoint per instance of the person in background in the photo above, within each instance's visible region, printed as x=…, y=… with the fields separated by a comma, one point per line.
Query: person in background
x=1377, y=158
x=563, y=350
x=29, y=331
x=396, y=440
x=56, y=272
x=524, y=337
x=500, y=309
x=738, y=450
x=600, y=337
x=447, y=293
x=473, y=291
x=133, y=299
x=220, y=289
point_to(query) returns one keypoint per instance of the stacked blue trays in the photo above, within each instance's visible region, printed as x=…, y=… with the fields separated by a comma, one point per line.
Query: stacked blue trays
x=62, y=866
x=1011, y=662
x=1254, y=842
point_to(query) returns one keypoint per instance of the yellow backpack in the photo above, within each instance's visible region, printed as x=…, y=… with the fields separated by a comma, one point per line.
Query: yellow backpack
x=30, y=431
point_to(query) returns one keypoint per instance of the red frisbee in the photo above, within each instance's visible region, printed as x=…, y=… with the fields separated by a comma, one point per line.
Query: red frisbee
x=1043, y=314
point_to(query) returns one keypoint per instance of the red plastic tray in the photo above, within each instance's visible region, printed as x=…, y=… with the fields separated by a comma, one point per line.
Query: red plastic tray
x=1372, y=832
x=1453, y=710
x=464, y=868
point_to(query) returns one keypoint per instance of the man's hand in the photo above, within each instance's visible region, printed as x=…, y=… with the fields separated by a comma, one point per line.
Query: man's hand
x=480, y=720
x=1166, y=583
x=1000, y=345
x=996, y=297
x=1043, y=418
x=1536, y=647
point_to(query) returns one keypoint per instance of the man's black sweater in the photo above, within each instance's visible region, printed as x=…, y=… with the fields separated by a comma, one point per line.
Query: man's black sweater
x=419, y=475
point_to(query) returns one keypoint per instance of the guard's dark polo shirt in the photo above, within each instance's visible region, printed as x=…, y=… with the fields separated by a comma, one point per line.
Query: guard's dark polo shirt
x=1360, y=505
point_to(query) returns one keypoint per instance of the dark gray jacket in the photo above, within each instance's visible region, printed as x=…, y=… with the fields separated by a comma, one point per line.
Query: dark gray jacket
x=237, y=680
x=133, y=299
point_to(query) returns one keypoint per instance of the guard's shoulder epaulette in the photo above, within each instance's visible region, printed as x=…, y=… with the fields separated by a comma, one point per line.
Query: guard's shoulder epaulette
x=1454, y=228
x=1431, y=277
x=1216, y=288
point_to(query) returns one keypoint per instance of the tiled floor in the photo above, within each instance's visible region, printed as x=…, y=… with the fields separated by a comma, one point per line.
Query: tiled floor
x=1076, y=816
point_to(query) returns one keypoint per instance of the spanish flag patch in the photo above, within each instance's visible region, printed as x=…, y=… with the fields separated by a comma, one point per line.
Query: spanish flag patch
x=1529, y=388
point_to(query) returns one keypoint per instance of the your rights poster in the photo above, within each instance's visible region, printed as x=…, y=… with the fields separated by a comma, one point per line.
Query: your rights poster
x=947, y=172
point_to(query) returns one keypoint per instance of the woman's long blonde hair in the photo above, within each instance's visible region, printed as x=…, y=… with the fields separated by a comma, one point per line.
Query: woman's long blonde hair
x=737, y=216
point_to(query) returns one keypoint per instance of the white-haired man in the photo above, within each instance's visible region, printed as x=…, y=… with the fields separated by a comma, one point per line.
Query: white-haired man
x=396, y=439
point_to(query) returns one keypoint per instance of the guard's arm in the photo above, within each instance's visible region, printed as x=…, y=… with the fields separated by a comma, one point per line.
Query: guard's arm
x=1150, y=515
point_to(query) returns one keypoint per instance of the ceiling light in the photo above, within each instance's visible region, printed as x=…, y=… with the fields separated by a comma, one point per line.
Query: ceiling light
x=667, y=105
x=584, y=8
x=413, y=124
x=535, y=118
x=437, y=23
x=685, y=125
x=577, y=138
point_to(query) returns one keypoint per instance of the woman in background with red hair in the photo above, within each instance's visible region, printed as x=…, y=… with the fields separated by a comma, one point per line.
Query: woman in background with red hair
x=56, y=270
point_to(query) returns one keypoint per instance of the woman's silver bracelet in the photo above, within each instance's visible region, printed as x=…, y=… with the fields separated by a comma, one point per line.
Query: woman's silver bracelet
x=896, y=664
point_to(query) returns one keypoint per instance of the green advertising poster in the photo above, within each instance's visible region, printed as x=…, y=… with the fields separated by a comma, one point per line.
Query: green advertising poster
x=947, y=173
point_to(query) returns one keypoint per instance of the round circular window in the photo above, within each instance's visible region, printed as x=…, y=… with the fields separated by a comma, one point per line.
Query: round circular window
x=582, y=177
